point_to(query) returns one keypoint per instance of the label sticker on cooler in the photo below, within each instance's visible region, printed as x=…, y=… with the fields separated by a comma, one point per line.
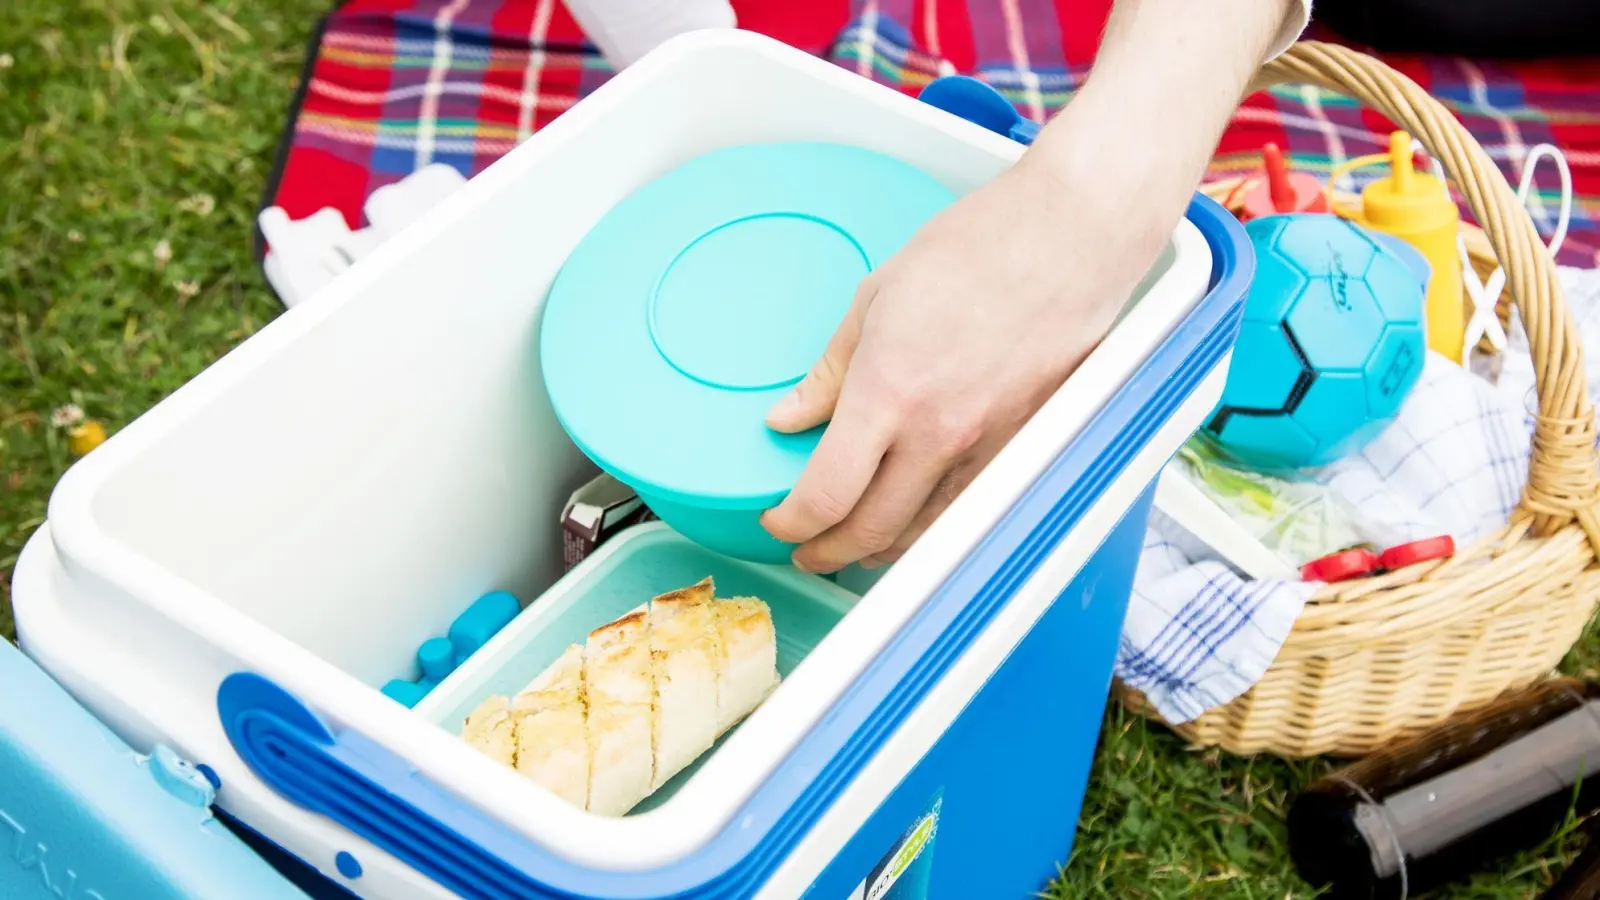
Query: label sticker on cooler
x=904, y=872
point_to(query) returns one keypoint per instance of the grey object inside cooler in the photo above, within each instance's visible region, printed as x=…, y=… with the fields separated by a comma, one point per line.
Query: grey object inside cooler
x=595, y=512
x=605, y=506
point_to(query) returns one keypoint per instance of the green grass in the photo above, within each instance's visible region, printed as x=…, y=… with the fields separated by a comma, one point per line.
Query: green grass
x=127, y=124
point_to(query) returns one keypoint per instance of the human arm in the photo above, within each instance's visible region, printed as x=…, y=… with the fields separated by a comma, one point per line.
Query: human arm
x=952, y=344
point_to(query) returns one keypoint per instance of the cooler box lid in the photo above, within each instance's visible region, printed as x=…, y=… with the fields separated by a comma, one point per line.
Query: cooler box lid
x=82, y=815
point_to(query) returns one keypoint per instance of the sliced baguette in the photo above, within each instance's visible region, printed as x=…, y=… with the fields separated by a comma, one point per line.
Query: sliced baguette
x=607, y=724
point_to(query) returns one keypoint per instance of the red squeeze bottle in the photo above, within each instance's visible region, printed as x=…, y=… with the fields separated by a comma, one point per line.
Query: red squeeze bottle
x=1282, y=191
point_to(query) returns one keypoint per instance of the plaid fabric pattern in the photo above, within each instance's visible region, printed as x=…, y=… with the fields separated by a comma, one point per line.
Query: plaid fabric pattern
x=395, y=84
x=1508, y=109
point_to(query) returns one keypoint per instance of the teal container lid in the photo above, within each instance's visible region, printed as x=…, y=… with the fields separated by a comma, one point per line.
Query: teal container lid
x=703, y=297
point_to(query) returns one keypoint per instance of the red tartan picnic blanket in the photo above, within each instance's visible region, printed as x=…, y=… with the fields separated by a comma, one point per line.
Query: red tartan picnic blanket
x=392, y=85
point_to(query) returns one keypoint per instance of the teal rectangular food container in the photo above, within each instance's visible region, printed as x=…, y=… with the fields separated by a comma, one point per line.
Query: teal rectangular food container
x=636, y=565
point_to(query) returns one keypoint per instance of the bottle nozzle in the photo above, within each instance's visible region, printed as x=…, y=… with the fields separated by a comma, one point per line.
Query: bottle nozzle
x=1278, y=186
x=1400, y=161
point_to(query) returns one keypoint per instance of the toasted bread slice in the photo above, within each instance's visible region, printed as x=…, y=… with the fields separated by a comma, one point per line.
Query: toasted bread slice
x=491, y=730
x=749, y=672
x=552, y=738
x=620, y=682
x=553, y=750
x=561, y=682
x=685, y=649
x=616, y=662
x=621, y=767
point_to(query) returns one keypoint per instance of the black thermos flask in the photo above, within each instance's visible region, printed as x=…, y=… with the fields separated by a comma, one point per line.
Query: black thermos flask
x=1452, y=801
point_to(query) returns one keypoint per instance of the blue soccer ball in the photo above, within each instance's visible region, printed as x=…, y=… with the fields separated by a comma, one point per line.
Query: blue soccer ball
x=1332, y=342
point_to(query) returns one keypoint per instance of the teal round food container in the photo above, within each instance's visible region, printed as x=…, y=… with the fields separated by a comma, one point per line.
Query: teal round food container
x=698, y=301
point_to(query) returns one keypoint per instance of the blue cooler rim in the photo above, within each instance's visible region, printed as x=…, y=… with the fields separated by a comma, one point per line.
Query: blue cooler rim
x=375, y=794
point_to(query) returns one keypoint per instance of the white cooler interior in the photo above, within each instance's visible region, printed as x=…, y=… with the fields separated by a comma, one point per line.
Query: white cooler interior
x=376, y=459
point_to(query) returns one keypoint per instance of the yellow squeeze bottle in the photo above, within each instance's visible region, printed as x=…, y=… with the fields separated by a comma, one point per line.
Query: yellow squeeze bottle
x=1416, y=207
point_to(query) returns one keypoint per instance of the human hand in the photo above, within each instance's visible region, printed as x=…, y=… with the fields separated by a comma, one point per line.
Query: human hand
x=953, y=344
x=947, y=350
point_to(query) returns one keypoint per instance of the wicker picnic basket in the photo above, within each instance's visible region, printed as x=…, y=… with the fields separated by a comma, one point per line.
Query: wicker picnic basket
x=1376, y=659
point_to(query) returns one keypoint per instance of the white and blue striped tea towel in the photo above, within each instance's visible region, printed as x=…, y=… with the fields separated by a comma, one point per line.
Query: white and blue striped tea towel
x=1198, y=635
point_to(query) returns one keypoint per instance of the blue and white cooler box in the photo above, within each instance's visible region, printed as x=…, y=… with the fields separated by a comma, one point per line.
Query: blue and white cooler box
x=235, y=574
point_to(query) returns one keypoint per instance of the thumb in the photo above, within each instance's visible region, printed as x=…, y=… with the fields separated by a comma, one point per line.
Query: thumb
x=812, y=401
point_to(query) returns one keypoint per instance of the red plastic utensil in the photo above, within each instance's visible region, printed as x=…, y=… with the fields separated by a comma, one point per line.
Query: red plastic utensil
x=1341, y=566
x=1441, y=547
